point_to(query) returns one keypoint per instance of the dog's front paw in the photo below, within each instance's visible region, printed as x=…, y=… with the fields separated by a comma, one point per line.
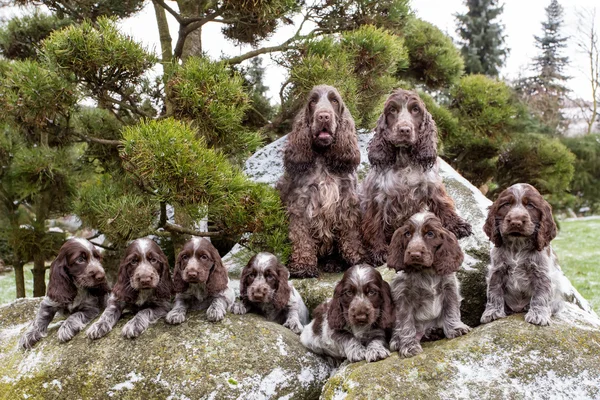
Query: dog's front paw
x=215, y=313
x=239, y=308
x=294, y=325
x=395, y=344
x=461, y=229
x=356, y=353
x=133, y=328
x=492, y=314
x=457, y=331
x=97, y=330
x=376, y=353
x=67, y=331
x=538, y=317
x=410, y=349
x=175, y=317
x=30, y=338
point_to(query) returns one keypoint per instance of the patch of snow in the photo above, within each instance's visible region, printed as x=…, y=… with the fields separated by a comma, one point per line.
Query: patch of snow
x=128, y=384
x=281, y=346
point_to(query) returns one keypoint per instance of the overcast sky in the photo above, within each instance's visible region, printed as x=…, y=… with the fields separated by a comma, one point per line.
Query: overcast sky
x=522, y=20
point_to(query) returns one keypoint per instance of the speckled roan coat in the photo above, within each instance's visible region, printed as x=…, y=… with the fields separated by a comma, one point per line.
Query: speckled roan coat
x=319, y=186
x=403, y=179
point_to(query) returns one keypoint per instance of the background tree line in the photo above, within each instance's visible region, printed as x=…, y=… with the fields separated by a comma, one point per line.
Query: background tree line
x=87, y=131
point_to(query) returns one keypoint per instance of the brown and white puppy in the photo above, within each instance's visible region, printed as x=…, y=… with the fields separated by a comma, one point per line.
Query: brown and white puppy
x=77, y=288
x=318, y=187
x=524, y=274
x=403, y=179
x=425, y=291
x=143, y=285
x=265, y=289
x=201, y=282
x=353, y=324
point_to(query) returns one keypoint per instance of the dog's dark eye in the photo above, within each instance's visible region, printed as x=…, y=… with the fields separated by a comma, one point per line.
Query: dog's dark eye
x=184, y=257
x=80, y=259
x=134, y=261
x=204, y=257
x=529, y=205
x=393, y=110
x=334, y=101
x=407, y=234
x=313, y=102
x=505, y=204
x=347, y=293
x=429, y=234
x=153, y=260
x=270, y=278
x=416, y=110
x=371, y=292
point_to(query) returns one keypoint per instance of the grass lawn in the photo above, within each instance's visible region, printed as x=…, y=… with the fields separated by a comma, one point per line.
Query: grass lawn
x=578, y=249
x=7, y=284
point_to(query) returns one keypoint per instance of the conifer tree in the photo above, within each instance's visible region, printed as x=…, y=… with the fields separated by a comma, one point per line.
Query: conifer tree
x=545, y=91
x=482, y=37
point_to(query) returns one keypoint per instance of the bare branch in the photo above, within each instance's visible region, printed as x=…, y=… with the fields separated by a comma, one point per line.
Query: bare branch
x=174, y=13
x=107, y=142
x=173, y=228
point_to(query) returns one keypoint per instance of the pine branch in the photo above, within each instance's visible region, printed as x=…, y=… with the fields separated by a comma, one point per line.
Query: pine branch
x=173, y=228
x=107, y=142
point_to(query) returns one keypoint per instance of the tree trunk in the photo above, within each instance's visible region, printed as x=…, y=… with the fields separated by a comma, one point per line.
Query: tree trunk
x=166, y=51
x=193, y=42
x=19, y=279
x=39, y=275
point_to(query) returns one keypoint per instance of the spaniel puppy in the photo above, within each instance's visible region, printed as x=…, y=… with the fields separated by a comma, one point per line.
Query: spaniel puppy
x=353, y=324
x=201, y=282
x=77, y=288
x=143, y=285
x=264, y=289
x=524, y=273
x=318, y=187
x=425, y=290
x=403, y=179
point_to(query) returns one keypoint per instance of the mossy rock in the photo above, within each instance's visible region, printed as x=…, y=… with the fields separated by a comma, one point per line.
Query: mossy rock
x=507, y=359
x=240, y=357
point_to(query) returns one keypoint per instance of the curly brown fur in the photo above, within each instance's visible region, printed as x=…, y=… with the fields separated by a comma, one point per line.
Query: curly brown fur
x=143, y=285
x=77, y=288
x=524, y=274
x=426, y=292
x=404, y=177
x=265, y=289
x=353, y=323
x=319, y=184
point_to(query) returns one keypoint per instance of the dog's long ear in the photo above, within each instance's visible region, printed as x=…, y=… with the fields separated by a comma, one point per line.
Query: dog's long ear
x=217, y=280
x=335, y=313
x=298, y=154
x=396, y=249
x=122, y=289
x=179, y=285
x=387, y=318
x=547, y=228
x=425, y=149
x=344, y=153
x=282, y=295
x=381, y=152
x=448, y=257
x=244, y=278
x=492, y=226
x=164, y=289
x=61, y=287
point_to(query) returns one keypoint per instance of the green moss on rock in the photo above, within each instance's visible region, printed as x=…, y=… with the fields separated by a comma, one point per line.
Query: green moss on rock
x=240, y=356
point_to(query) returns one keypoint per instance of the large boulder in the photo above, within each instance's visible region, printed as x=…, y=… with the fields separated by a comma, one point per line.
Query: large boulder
x=507, y=359
x=238, y=358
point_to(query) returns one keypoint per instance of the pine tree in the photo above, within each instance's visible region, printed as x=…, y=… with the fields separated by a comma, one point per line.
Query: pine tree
x=545, y=90
x=482, y=37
